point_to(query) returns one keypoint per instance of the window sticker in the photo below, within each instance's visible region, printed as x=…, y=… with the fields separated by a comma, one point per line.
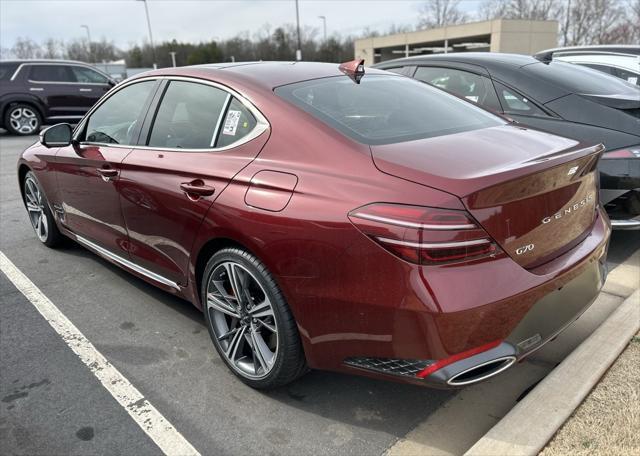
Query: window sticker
x=632, y=79
x=231, y=123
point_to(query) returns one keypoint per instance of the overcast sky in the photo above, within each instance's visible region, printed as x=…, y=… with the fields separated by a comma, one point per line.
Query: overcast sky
x=123, y=21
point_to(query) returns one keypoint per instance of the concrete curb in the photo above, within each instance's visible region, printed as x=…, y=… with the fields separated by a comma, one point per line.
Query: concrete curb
x=527, y=428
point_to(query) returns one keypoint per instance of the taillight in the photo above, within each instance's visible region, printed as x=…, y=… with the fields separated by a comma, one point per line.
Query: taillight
x=424, y=235
x=629, y=152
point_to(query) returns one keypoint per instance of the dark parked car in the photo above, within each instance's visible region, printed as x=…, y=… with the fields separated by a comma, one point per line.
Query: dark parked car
x=385, y=227
x=557, y=97
x=37, y=92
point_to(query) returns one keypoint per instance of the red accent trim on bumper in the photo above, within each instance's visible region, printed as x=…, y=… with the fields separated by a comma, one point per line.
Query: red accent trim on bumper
x=457, y=357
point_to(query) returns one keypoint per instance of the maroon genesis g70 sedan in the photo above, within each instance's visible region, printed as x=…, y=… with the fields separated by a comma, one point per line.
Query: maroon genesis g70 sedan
x=326, y=218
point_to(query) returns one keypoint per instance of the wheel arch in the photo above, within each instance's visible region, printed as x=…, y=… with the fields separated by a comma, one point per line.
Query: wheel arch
x=21, y=99
x=206, y=251
x=22, y=174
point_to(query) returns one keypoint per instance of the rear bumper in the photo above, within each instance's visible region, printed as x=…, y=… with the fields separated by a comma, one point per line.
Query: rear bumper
x=512, y=327
x=545, y=320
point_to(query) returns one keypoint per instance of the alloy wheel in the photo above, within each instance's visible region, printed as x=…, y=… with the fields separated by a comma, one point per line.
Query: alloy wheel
x=242, y=319
x=35, y=207
x=23, y=120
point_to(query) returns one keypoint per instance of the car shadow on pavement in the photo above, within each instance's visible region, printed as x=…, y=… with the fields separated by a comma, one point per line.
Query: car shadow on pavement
x=378, y=405
x=353, y=401
x=70, y=247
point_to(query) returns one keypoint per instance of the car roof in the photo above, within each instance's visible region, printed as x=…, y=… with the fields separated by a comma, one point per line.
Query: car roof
x=486, y=59
x=62, y=62
x=266, y=75
x=621, y=49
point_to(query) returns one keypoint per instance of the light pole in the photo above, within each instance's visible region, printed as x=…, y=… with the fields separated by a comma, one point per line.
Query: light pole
x=89, y=37
x=153, y=49
x=324, y=26
x=299, y=50
x=173, y=58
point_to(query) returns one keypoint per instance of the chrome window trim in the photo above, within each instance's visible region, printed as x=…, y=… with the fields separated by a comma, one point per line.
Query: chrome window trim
x=262, y=124
x=129, y=264
x=15, y=73
x=65, y=117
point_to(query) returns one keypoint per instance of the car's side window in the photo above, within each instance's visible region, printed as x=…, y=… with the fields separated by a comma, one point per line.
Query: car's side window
x=398, y=70
x=189, y=116
x=88, y=76
x=633, y=78
x=114, y=121
x=7, y=70
x=471, y=86
x=51, y=73
x=514, y=103
x=238, y=123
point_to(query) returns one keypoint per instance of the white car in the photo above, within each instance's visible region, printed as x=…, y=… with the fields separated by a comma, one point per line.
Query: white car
x=620, y=61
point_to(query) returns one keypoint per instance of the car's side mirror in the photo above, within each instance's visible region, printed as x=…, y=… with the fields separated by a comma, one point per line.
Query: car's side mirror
x=58, y=135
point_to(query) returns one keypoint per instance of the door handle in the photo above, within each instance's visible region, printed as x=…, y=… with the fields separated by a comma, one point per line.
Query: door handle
x=86, y=90
x=197, y=188
x=107, y=173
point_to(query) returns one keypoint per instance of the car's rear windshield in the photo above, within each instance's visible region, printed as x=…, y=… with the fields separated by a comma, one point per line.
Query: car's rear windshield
x=386, y=109
x=581, y=80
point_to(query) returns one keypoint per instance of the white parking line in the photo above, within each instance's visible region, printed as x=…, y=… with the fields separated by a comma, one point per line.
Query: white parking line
x=150, y=420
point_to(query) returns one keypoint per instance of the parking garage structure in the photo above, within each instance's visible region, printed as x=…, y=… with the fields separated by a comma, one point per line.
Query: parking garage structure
x=499, y=35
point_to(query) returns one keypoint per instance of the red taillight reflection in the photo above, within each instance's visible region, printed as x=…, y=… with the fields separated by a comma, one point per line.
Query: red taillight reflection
x=424, y=235
x=622, y=153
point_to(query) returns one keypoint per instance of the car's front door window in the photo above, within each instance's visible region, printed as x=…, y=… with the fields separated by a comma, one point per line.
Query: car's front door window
x=88, y=76
x=115, y=120
x=471, y=86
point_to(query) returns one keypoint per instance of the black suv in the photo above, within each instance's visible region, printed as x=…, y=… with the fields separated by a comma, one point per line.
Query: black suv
x=36, y=92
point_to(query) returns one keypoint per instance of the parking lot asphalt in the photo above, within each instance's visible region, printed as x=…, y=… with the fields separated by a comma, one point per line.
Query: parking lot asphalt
x=50, y=403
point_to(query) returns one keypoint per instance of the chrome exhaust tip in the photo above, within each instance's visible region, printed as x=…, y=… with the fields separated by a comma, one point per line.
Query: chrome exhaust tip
x=481, y=371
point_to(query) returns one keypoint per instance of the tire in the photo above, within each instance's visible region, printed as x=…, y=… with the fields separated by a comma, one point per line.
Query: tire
x=22, y=119
x=39, y=213
x=261, y=311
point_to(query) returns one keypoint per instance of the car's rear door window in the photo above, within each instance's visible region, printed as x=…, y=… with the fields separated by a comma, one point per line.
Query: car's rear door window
x=515, y=103
x=188, y=116
x=51, y=73
x=88, y=76
x=237, y=123
x=385, y=109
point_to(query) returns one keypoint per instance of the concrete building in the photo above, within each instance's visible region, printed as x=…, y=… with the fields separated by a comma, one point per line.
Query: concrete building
x=499, y=35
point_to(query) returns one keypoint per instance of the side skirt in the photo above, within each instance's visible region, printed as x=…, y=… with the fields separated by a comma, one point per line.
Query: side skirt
x=126, y=263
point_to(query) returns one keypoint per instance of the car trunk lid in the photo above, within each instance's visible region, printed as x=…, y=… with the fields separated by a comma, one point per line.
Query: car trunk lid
x=533, y=192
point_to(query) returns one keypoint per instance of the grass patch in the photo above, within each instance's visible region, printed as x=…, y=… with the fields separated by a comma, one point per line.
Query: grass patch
x=608, y=420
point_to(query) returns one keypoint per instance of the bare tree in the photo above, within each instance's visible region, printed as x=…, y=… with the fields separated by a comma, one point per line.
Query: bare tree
x=582, y=22
x=597, y=22
x=25, y=48
x=520, y=9
x=634, y=17
x=52, y=49
x=438, y=13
